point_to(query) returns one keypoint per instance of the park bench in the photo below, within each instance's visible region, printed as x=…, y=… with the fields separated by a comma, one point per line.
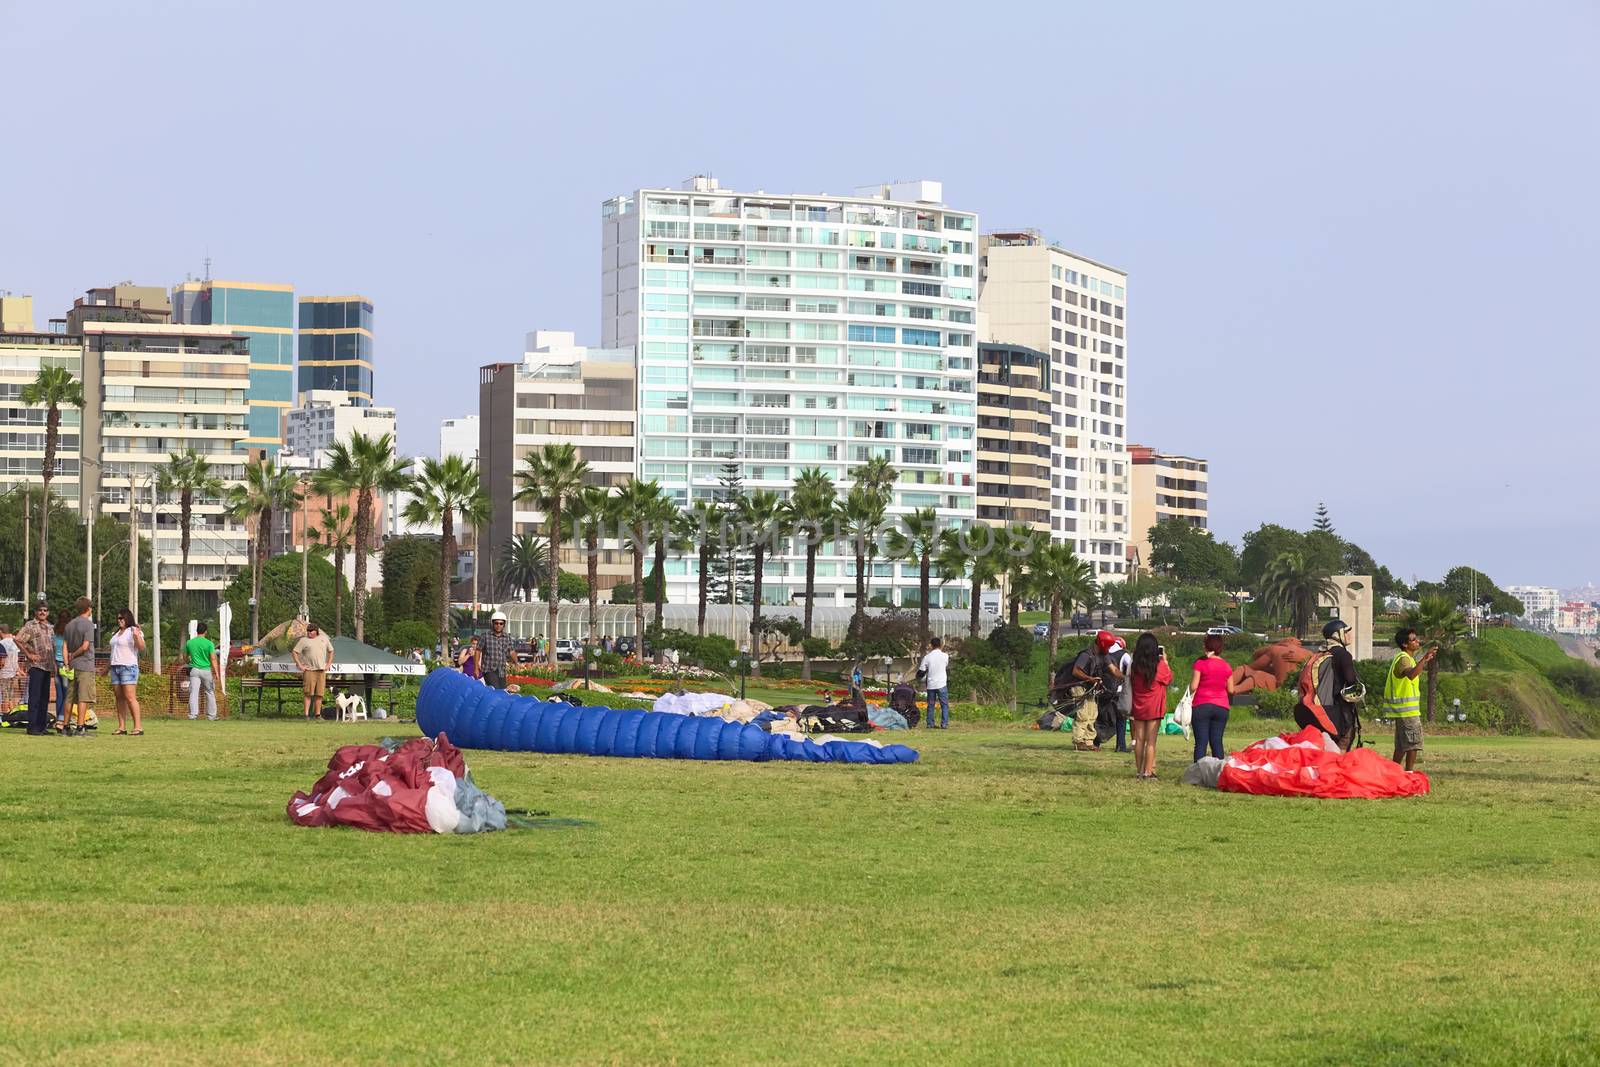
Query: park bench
x=259, y=686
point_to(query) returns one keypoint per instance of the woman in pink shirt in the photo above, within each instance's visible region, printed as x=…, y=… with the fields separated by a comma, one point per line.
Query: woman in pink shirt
x=1211, y=684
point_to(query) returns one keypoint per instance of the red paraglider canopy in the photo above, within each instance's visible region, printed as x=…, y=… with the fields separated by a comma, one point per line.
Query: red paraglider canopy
x=1301, y=765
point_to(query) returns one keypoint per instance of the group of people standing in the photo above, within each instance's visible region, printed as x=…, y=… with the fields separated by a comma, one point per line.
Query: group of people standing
x=1130, y=688
x=61, y=655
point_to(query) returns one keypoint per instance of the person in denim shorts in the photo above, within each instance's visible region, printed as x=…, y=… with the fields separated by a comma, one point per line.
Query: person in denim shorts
x=126, y=645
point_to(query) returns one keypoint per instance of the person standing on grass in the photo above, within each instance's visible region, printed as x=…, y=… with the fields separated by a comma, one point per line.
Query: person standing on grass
x=63, y=668
x=1148, y=678
x=8, y=668
x=203, y=671
x=935, y=669
x=1402, y=695
x=36, y=648
x=1212, y=685
x=1121, y=660
x=470, y=662
x=499, y=652
x=79, y=642
x=126, y=645
x=1088, y=670
x=312, y=654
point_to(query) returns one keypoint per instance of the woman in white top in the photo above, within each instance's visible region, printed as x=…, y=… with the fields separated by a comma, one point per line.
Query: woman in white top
x=126, y=644
x=8, y=668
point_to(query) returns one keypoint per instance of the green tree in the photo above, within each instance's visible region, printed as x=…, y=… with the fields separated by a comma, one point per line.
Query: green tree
x=813, y=514
x=763, y=523
x=334, y=535
x=916, y=541
x=972, y=553
x=574, y=588
x=729, y=582
x=52, y=389
x=637, y=504
x=1292, y=584
x=591, y=509
x=1014, y=647
x=368, y=468
x=447, y=488
x=1065, y=579
x=1187, y=553
x=710, y=532
x=266, y=491
x=1438, y=623
x=1018, y=545
x=525, y=563
x=623, y=593
x=1263, y=545
x=1462, y=584
x=551, y=476
x=188, y=474
x=411, y=579
x=1322, y=524
x=279, y=590
x=860, y=520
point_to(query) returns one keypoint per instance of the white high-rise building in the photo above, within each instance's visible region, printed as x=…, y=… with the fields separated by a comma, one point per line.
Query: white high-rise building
x=329, y=415
x=781, y=332
x=459, y=437
x=1540, y=604
x=1044, y=297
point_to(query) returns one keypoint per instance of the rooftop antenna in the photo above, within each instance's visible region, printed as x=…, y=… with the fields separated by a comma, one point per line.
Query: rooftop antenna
x=208, y=268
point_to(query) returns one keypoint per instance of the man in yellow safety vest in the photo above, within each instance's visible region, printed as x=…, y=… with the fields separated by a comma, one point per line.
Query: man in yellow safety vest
x=1402, y=696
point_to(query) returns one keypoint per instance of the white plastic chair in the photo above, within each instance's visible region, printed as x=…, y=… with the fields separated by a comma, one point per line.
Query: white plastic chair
x=352, y=707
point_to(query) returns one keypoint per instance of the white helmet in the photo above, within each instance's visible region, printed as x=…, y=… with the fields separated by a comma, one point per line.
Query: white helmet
x=498, y=616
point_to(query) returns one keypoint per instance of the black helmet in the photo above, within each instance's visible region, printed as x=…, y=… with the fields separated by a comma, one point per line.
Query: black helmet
x=1334, y=626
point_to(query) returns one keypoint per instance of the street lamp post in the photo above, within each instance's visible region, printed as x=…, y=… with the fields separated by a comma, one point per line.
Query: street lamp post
x=100, y=582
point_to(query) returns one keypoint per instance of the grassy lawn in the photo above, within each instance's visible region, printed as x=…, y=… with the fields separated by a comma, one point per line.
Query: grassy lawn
x=1003, y=901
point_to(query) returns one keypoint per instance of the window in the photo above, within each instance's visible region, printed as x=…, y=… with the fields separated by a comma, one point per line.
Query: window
x=880, y=334
x=666, y=327
x=672, y=301
x=919, y=337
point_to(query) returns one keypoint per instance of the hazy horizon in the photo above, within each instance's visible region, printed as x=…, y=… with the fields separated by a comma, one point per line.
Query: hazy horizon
x=1319, y=210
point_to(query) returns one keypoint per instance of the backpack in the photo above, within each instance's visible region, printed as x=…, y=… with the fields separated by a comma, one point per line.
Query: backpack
x=1051, y=720
x=1316, y=691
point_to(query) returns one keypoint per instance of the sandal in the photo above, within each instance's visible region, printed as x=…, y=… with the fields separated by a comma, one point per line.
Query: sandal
x=114, y=733
x=137, y=733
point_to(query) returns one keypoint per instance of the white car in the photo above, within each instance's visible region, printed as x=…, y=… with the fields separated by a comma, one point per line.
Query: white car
x=567, y=648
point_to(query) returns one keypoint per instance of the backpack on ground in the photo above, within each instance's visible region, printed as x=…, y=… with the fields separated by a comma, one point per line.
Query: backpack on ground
x=1052, y=720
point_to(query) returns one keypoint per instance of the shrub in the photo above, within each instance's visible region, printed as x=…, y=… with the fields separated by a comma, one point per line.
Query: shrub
x=411, y=633
x=1276, y=703
x=608, y=663
x=1578, y=679
x=974, y=681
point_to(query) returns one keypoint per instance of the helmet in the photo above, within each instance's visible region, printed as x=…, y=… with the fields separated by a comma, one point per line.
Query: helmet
x=498, y=616
x=1105, y=639
x=1334, y=626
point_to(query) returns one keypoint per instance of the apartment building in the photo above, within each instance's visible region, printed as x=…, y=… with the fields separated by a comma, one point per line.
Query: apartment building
x=1013, y=436
x=24, y=351
x=779, y=332
x=1540, y=604
x=152, y=388
x=459, y=437
x=336, y=346
x=328, y=415
x=1166, y=486
x=1047, y=298
x=561, y=392
x=264, y=313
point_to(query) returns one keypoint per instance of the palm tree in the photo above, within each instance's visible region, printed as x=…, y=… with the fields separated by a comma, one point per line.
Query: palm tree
x=877, y=475
x=447, y=487
x=334, y=536
x=977, y=559
x=552, y=475
x=860, y=519
x=265, y=491
x=917, y=541
x=1438, y=622
x=813, y=508
x=763, y=522
x=188, y=474
x=54, y=387
x=1292, y=584
x=591, y=509
x=704, y=516
x=367, y=467
x=636, y=504
x=1017, y=546
x=1067, y=580
x=525, y=563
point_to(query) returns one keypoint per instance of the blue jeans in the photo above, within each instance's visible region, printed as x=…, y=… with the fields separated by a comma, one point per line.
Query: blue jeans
x=1208, y=721
x=943, y=697
x=61, y=697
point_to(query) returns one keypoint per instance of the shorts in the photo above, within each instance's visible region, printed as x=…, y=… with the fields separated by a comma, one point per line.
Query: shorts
x=81, y=690
x=494, y=679
x=125, y=674
x=314, y=683
x=1408, y=734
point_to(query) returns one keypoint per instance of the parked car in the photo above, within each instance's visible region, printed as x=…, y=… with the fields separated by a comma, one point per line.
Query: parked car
x=1041, y=630
x=1080, y=621
x=567, y=648
x=625, y=645
x=1224, y=631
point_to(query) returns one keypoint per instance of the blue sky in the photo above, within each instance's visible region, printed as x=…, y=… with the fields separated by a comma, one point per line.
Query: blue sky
x=1361, y=241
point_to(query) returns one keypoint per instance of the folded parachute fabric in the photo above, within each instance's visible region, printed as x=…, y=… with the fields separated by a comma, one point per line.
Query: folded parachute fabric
x=418, y=788
x=1306, y=764
x=692, y=703
x=475, y=716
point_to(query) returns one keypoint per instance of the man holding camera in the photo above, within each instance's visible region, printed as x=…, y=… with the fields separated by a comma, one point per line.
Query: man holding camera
x=1402, y=696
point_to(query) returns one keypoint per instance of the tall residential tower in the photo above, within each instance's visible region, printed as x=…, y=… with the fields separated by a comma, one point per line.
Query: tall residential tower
x=777, y=332
x=263, y=312
x=336, y=346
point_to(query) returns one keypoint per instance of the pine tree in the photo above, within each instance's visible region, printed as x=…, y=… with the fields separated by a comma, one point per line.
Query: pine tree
x=732, y=570
x=1323, y=523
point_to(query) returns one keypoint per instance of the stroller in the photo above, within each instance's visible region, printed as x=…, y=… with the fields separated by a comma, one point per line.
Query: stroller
x=903, y=698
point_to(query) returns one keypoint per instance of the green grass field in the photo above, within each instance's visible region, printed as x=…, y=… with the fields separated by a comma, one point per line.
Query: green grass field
x=1003, y=901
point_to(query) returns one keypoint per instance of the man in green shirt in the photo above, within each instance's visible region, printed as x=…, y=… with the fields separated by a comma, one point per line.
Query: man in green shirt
x=203, y=671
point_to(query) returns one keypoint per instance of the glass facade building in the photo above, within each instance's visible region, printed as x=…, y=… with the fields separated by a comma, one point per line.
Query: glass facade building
x=336, y=346
x=785, y=332
x=263, y=312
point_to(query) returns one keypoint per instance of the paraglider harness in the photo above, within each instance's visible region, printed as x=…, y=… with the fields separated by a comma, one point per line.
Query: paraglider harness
x=1317, y=693
x=1067, y=694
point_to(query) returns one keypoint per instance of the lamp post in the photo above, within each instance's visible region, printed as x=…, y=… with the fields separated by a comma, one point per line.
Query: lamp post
x=100, y=582
x=742, y=665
